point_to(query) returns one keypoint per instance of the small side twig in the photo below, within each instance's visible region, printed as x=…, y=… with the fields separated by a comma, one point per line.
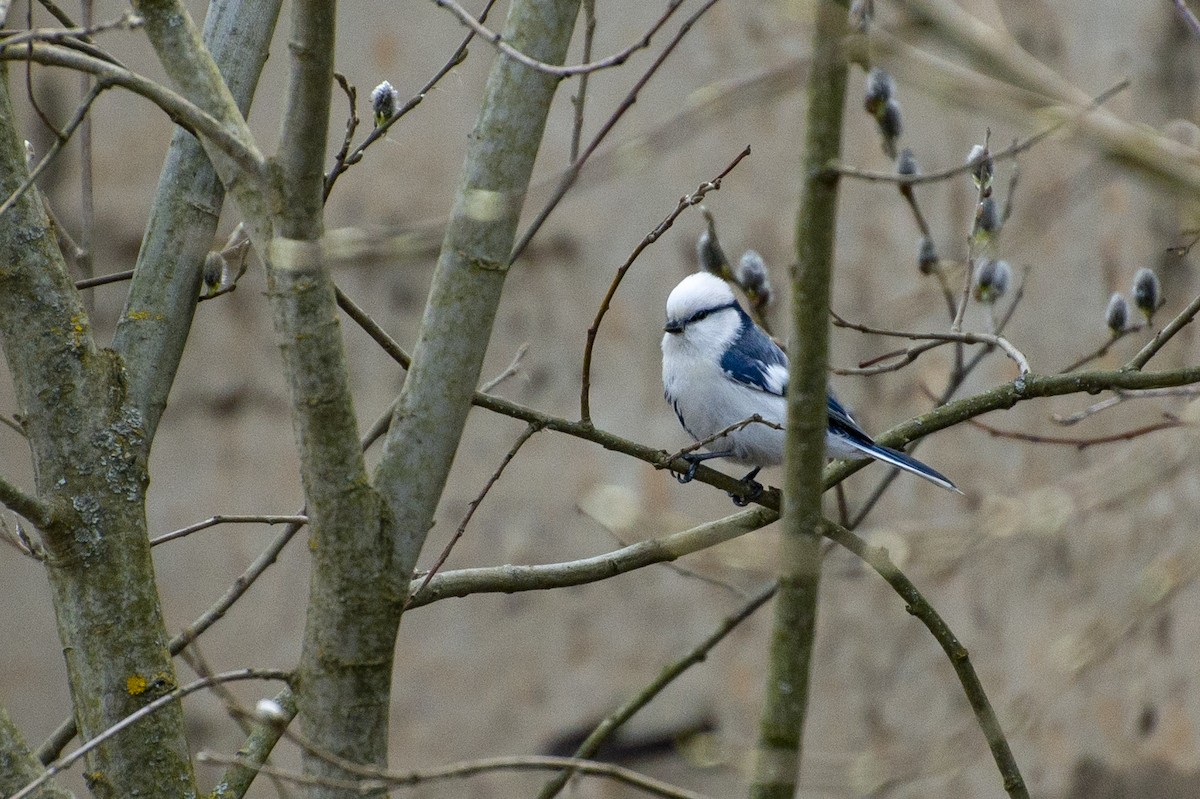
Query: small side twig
x=1079, y=443
x=615, y=60
x=526, y=434
x=685, y=202
x=627, y=709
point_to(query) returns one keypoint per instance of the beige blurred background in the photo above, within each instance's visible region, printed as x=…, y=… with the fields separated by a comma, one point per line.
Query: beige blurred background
x=1070, y=575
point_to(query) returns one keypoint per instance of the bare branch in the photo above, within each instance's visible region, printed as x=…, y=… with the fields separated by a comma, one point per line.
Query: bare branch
x=512, y=579
x=381, y=779
x=685, y=202
x=213, y=521
x=169, y=698
x=514, y=53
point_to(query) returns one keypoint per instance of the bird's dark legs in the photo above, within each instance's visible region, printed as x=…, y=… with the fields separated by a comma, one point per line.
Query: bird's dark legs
x=695, y=459
x=753, y=492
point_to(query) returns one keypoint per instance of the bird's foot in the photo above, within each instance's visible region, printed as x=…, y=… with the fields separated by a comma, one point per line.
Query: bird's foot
x=753, y=490
x=690, y=474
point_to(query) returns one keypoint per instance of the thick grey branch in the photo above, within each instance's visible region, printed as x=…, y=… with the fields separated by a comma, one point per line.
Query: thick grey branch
x=183, y=219
x=457, y=325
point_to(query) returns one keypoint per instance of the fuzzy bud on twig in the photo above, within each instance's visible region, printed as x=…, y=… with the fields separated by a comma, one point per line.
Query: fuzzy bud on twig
x=927, y=257
x=891, y=125
x=271, y=712
x=991, y=280
x=1116, y=316
x=880, y=88
x=752, y=277
x=981, y=158
x=987, y=217
x=213, y=274
x=383, y=102
x=1147, y=292
x=862, y=13
x=708, y=249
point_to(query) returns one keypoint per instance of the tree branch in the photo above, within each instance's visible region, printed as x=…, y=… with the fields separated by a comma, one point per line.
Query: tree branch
x=781, y=726
x=473, y=264
x=17, y=766
x=514, y=579
x=916, y=604
x=157, y=317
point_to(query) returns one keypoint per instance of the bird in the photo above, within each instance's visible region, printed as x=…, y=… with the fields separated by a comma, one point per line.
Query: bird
x=719, y=369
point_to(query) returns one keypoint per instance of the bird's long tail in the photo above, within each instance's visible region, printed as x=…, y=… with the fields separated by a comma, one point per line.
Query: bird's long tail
x=908, y=463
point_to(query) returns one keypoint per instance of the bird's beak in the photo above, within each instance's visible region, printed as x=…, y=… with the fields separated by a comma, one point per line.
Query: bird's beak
x=673, y=326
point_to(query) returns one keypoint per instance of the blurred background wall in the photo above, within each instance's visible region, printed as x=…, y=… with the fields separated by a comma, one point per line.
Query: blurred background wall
x=1068, y=573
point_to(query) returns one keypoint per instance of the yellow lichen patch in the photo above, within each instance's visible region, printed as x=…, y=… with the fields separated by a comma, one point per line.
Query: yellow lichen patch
x=136, y=684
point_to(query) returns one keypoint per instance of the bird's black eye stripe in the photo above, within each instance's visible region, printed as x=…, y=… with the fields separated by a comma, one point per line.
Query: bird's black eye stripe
x=705, y=312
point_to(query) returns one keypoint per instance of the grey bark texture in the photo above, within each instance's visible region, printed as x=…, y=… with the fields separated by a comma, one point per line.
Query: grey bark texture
x=470, y=273
x=89, y=452
x=781, y=725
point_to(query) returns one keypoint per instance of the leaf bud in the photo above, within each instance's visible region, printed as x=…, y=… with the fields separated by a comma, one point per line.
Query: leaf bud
x=383, y=102
x=991, y=280
x=906, y=164
x=927, y=257
x=1116, y=316
x=1147, y=292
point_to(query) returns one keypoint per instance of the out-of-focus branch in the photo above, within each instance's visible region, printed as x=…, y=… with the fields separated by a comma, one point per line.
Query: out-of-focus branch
x=18, y=767
x=916, y=604
x=781, y=723
x=517, y=54
x=622, y=714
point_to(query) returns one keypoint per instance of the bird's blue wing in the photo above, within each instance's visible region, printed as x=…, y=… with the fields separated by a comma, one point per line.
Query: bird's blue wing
x=842, y=423
x=755, y=361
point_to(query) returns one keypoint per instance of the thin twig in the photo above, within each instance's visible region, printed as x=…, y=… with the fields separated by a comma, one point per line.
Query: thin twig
x=526, y=434
x=627, y=709
x=1100, y=351
x=381, y=779
x=685, y=202
x=101, y=280
x=572, y=173
x=615, y=60
x=1118, y=397
x=213, y=521
x=343, y=161
x=1181, y=320
x=916, y=604
x=704, y=442
x=81, y=113
x=168, y=698
x=512, y=370
x=936, y=339
x=1010, y=152
x=1073, y=441
x=589, y=35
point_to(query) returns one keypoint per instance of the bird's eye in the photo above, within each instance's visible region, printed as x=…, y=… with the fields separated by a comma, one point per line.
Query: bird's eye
x=700, y=315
